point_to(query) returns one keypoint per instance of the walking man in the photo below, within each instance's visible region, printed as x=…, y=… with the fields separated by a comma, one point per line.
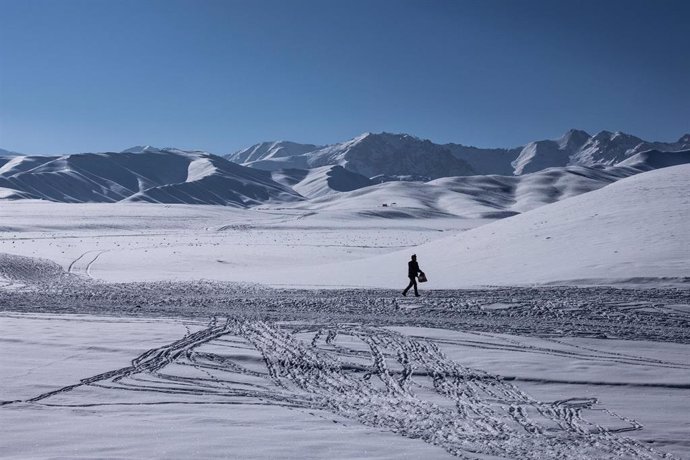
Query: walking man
x=412, y=272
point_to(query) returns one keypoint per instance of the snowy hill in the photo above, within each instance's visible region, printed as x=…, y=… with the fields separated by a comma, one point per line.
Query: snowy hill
x=153, y=175
x=317, y=182
x=489, y=196
x=6, y=155
x=633, y=230
x=655, y=159
x=635, y=227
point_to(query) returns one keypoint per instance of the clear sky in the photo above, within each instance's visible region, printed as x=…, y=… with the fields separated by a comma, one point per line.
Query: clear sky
x=103, y=75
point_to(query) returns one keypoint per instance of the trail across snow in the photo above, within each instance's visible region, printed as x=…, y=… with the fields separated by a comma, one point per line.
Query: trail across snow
x=374, y=376
x=366, y=357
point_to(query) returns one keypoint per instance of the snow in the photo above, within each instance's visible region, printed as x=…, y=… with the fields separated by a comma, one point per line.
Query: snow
x=368, y=155
x=635, y=228
x=60, y=350
x=339, y=176
x=199, y=169
x=11, y=194
x=354, y=240
x=398, y=155
x=149, y=330
x=159, y=386
x=271, y=151
x=536, y=156
x=579, y=148
x=329, y=180
x=152, y=175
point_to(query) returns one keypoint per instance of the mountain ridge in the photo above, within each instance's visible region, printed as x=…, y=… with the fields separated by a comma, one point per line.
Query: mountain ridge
x=155, y=175
x=354, y=172
x=575, y=147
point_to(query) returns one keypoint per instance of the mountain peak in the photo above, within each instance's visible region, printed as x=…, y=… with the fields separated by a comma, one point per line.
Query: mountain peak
x=573, y=139
x=576, y=132
x=151, y=149
x=141, y=149
x=622, y=135
x=385, y=138
x=604, y=134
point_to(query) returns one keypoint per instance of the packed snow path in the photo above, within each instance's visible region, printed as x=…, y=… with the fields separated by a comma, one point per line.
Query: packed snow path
x=341, y=352
x=655, y=314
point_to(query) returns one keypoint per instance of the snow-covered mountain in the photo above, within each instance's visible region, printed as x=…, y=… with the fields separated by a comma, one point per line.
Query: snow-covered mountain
x=6, y=155
x=391, y=155
x=539, y=155
x=579, y=148
x=485, y=161
x=280, y=151
x=385, y=157
x=161, y=176
x=141, y=149
x=353, y=175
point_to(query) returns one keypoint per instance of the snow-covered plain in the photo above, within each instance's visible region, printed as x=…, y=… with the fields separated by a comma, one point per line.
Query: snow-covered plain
x=171, y=331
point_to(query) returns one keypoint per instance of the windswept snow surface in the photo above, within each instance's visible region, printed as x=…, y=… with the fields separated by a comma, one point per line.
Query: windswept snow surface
x=147, y=330
x=141, y=241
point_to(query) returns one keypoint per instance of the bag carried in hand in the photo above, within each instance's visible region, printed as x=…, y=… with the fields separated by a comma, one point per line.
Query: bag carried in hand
x=421, y=277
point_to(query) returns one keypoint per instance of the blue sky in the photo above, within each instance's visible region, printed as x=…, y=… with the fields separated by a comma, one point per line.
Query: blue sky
x=99, y=75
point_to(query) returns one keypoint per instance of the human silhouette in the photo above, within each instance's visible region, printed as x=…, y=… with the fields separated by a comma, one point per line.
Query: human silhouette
x=412, y=272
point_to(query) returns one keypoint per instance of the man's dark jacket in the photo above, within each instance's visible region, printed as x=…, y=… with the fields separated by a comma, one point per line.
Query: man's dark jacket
x=412, y=268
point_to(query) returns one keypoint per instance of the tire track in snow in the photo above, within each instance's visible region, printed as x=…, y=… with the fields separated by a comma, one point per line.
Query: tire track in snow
x=487, y=416
x=82, y=264
x=376, y=377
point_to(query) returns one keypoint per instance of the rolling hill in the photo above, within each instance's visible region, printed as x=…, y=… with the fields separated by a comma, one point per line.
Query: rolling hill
x=161, y=176
x=633, y=231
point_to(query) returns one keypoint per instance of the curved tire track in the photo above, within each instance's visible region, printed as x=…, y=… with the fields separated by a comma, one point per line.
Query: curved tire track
x=466, y=411
x=82, y=264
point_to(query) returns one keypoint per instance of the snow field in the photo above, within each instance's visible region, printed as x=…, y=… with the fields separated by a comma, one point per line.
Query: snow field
x=140, y=330
x=253, y=388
